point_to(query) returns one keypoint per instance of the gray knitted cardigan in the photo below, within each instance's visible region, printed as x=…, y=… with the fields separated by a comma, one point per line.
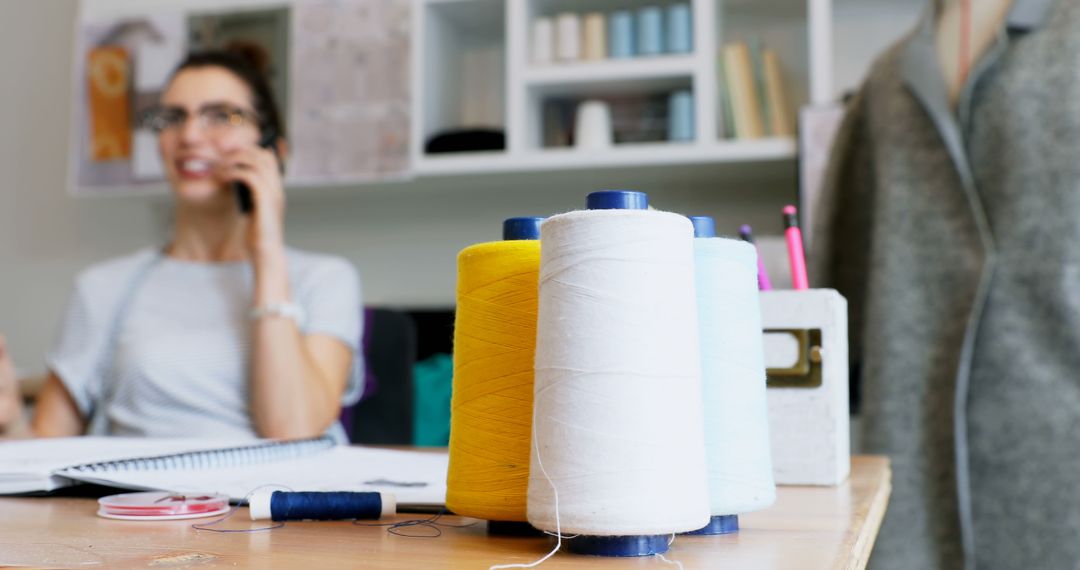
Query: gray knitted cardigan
x=955, y=236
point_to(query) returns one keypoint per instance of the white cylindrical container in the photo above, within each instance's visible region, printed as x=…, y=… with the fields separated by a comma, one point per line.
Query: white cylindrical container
x=592, y=127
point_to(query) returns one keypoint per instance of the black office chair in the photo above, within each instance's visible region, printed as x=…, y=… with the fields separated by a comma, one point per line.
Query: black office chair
x=385, y=413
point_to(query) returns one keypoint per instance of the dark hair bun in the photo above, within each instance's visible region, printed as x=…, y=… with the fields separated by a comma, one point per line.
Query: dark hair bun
x=252, y=53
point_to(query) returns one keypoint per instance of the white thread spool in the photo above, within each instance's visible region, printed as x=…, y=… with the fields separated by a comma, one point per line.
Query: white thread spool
x=617, y=414
x=567, y=37
x=594, y=36
x=543, y=41
x=733, y=372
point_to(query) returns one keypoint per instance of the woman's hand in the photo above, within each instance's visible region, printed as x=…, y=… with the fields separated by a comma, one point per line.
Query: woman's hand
x=11, y=407
x=259, y=169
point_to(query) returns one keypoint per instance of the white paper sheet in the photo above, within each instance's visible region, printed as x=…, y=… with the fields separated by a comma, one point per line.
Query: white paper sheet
x=416, y=478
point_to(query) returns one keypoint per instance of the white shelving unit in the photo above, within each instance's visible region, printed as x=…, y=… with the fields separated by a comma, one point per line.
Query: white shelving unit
x=452, y=32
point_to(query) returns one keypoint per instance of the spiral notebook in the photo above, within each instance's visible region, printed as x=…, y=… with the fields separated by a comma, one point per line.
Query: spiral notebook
x=417, y=478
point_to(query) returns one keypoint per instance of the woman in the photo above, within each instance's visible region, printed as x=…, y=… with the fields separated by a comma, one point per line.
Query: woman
x=226, y=331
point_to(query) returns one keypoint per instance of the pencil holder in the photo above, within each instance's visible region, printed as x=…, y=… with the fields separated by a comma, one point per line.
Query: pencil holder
x=806, y=360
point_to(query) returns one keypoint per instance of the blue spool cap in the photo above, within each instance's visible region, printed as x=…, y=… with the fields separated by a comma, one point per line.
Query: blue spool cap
x=617, y=200
x=620, y=545
x=522, y=228
x=722, y=524
x=704, y=226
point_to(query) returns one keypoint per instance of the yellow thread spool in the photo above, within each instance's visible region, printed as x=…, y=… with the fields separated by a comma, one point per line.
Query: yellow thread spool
x=491, y=406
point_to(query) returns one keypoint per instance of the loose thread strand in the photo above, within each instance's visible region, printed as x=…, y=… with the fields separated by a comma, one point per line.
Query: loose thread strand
x=558, y=523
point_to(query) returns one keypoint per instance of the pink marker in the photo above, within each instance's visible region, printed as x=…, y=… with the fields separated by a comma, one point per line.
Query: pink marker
x=796, y=255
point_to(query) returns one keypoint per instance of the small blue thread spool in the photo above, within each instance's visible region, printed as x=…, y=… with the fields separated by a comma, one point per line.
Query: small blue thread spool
x=681, y=116
x=641, y=545
x=650, y=31
x=621, y=34
x=322, y=506
x=705, y=227
x=680, y=30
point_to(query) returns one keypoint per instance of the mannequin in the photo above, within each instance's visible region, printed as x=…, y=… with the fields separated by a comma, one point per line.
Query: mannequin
x=965, y=30
x=948, y=222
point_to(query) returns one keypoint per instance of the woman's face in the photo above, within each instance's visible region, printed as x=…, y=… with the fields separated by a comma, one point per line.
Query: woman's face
x=211, y=114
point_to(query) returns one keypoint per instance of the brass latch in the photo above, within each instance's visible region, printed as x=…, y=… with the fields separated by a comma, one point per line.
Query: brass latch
x=806, y=372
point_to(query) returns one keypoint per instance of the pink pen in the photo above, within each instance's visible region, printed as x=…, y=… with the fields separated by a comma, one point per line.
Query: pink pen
x=762, y=276
x=796, y=255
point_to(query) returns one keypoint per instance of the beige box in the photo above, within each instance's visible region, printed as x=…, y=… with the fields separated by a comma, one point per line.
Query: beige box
x=806, y=357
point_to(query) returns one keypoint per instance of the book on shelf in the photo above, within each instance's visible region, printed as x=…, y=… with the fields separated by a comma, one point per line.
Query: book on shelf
x=726, y=128
x=754, y=100
x=781, y=119
x=233, y=468
x=745, y=102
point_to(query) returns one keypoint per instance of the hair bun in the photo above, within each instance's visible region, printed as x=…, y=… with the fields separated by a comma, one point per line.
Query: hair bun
x=252, y=53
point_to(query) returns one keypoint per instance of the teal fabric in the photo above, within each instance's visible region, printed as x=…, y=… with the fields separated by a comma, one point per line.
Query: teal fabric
x=432, y=382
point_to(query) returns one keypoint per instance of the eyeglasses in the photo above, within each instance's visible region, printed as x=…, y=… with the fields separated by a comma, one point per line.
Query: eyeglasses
x=217, y=117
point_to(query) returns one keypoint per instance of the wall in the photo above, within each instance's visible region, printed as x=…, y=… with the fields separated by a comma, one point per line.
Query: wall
x=862, y=29
x=404, y=238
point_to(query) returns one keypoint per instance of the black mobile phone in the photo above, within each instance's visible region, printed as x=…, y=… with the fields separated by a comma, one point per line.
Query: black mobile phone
x=243, y=193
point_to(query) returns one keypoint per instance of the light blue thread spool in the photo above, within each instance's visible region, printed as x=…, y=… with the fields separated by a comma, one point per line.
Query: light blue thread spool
x=681, y=116
x=621, y=34
x=680, y=30
x=650, y=31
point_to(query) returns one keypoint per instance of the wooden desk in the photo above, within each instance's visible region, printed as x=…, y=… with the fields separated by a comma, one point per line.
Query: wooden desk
x=807, y=528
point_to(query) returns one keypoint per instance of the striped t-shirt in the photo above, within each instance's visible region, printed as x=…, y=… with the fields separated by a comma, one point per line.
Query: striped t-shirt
x=156, y=346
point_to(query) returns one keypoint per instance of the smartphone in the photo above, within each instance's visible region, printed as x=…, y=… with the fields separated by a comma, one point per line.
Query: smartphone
x=243, y=193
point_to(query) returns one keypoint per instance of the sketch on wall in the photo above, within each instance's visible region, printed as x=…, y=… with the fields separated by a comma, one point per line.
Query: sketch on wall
x=352, y=102
x=339, y=68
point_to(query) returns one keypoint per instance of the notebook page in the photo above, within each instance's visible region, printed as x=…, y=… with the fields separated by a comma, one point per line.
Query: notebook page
x=416, y=478
x=28, y=465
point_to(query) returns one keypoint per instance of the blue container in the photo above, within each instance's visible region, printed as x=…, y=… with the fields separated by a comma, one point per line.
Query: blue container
x=680, y=29
x=650, y=31
x=681, y=116
x=621, y=34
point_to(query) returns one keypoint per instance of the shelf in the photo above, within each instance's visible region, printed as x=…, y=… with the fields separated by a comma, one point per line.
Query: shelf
x=462, y=51
x=627, y=155
x=610, y=70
